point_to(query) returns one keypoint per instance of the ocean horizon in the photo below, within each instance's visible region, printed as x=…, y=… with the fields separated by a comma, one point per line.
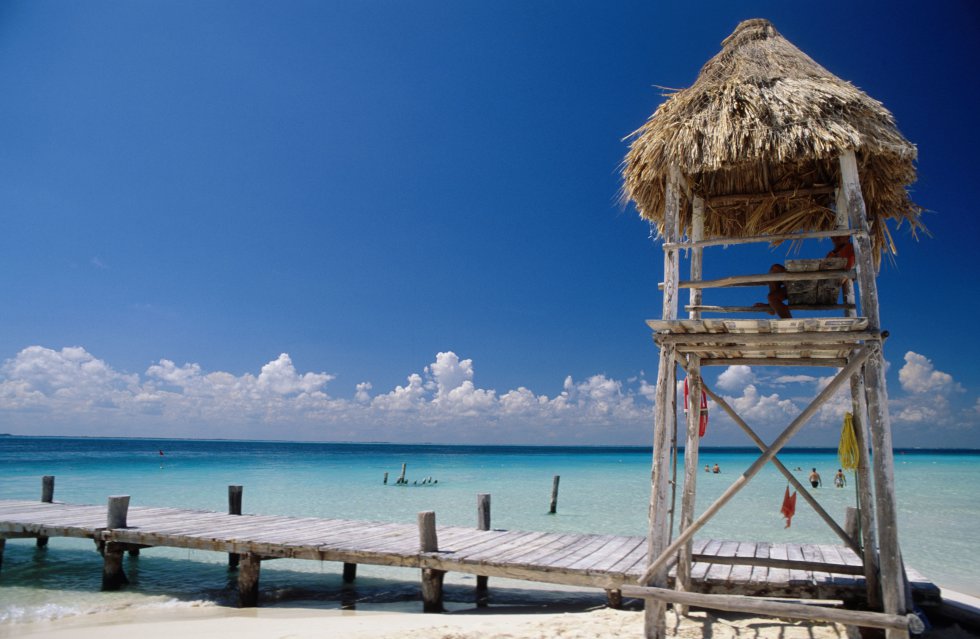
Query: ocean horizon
x=603, y=490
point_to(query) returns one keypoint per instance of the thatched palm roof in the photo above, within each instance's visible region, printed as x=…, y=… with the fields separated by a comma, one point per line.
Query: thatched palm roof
x=764, y=118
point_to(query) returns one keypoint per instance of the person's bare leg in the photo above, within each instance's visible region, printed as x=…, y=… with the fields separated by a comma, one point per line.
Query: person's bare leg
x=777, y=294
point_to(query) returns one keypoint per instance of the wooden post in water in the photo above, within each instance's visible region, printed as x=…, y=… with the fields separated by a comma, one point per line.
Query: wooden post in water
x=113, y=576
x=248, y=580
x=47, y=496
x=554, y=495
x=385, y=482
x=482, y=523
x=116, y=511
x=3, y=543
x=431, y=578
x=47, y=489
x=350, y=572
x=401, y=478
x=234, y=508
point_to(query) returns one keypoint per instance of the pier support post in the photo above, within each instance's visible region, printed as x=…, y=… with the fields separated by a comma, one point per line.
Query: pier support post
x=482, y=523
x=47, y=489
x=234, y=508
x=248, y=580
x=113, y=576
x=3, y=543
x=401, y=478
x=350, y=572
x=117, y=510
x=47, y=496
x=431, y=578
x=554, y=495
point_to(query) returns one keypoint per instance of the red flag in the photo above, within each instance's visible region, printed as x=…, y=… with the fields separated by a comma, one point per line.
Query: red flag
x=789, y=507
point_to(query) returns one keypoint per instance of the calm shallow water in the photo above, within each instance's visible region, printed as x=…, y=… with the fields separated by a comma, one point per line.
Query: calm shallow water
x=602, y=490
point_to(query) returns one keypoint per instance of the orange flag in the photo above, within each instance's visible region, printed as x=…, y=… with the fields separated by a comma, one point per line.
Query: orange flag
x=789, y=507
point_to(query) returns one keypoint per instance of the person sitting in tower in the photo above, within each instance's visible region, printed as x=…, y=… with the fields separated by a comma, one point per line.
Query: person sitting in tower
x=778, y=295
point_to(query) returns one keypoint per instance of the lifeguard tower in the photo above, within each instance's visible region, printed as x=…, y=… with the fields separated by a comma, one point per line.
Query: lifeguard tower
x=769, y=147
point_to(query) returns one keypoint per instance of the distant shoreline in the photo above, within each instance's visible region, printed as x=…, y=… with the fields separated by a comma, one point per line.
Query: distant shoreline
x=489, y=447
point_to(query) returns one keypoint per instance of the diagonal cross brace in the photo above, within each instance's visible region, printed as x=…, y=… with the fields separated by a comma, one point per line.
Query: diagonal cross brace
x=810, y=499
x=844, y=375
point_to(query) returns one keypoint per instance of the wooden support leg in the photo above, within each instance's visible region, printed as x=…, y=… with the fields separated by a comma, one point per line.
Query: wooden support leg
x=3, y=544
x=482, y=523
x=655, y=624
x=248, y=580
x=690, y=473
x=432, y=589
x=890, y=557
x=614, y=599
x=482, y=591
x=42, y=541
x=866, y=518
x=350, y=573
x=113, y=576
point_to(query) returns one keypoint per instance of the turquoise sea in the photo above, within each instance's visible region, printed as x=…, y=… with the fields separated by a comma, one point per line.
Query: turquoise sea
x=602, y=490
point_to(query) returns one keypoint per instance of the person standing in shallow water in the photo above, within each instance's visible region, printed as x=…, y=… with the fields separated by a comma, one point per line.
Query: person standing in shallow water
x=839, y=479
x=815, y=480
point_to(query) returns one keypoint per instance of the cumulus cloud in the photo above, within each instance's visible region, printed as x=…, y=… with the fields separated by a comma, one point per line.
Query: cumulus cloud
x=81, y=393
x=735, y=378
x=918, y=375
x=796, y=379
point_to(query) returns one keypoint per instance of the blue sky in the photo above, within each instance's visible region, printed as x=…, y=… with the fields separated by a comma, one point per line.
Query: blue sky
x=400, y=221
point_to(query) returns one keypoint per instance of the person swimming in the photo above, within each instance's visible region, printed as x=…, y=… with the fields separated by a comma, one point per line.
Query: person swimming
x=815, y=480
x=839, y=479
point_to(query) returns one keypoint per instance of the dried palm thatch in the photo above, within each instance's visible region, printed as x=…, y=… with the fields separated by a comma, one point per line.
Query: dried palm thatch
x=758, y=135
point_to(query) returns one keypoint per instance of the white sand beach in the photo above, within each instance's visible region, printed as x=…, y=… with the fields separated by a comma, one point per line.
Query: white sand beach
x=302, y=623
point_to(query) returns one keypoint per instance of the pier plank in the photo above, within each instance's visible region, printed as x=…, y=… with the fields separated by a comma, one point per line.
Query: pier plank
x=600, y=561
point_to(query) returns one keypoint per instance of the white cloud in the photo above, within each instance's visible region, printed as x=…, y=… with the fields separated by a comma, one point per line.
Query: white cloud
x=756, y=407
x=735, y=378
x=75, y=392
x=918, y=375
x=795, y=379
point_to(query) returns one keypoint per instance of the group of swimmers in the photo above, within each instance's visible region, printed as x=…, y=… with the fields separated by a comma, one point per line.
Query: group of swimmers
x=709, y=469
x=840, y=480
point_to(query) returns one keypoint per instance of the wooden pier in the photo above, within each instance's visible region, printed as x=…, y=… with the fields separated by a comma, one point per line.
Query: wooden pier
x=609, y=562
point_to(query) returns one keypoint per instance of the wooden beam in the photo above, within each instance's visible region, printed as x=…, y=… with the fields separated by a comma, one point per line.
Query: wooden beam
x=654, y=619
x=736, y=198
x=876, y=394
x=799, y=487
x=866, y=507
x=774, y=608
x=766, y=278
x=798, y=350
x=762, y=309
x=765, y=338
x=774, y=361
x=697, y=255
x=691, y=471
x=661, y=561
x=756, y=239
